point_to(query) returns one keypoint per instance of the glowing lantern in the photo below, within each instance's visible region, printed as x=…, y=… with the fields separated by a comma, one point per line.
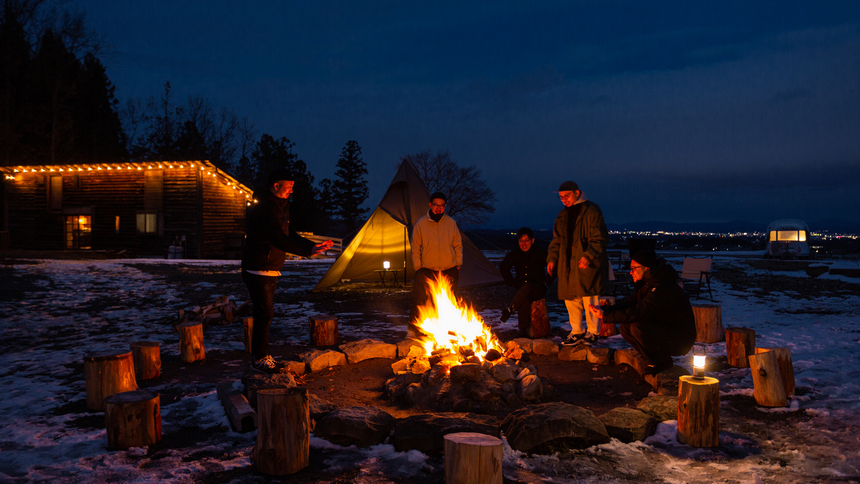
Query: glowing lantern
x=386, y=265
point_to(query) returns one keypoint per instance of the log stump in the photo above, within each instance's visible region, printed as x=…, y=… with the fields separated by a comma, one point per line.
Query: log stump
x=283, y=435
x=247, y=333
x=472, y=458
x=709, y=323
x=607, y=329
x=767, y=380
x=783, y=357
x=535, y=319
x=323, y=330
x=133, y=419
x=191, y=347
x=106, y=374
x=699, y=411
x=740, y=344
x=147, y=359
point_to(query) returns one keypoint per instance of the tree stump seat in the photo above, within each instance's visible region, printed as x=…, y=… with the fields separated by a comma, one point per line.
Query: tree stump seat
x=133, y=419
x=105, y=374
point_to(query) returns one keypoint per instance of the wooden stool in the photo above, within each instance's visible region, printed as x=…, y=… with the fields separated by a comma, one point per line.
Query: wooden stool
x=534, y=319
x=147, y=359
x=699, y=411
x=283, y=436
x=740, y=344
x=323, y=330
x=709, y=323
x=133, y=419
x=105, y=374
x=248, y=332
x=472, y=458
x=191, y=347
x=769, y=390
x=783, y=357
x=607, y=329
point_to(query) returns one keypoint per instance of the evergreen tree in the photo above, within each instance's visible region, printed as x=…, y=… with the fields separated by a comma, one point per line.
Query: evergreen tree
x=14, y=68
x=349, y=189
x=51, y=127
x=100, y=134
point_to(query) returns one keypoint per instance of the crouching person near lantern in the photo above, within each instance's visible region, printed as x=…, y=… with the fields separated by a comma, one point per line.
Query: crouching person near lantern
x=267, y=239
x=657, y=320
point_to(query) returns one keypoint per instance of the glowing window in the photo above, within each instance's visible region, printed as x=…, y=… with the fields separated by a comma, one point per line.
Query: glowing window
x=147, y=223
x=788, y=236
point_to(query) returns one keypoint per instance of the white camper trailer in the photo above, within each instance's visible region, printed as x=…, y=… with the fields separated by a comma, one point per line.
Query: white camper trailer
x=787, y=238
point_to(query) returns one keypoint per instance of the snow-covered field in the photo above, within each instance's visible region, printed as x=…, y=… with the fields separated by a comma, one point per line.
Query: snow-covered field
x=68, y=309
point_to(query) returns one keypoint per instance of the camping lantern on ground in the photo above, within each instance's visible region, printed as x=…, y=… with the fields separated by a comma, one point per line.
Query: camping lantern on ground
x=699, y=364
x=386, y=265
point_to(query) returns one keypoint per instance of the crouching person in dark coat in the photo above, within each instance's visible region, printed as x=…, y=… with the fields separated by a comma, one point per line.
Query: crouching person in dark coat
x=528, y=262
x=657, y=320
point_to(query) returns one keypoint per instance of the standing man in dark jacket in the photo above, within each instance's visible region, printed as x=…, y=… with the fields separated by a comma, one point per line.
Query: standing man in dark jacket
x=528, y=262
x=578, y=253
x=657, y=320
x=267, y=239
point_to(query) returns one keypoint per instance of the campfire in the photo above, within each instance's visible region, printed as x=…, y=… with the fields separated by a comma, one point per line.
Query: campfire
x=458, y=363
x=451, y=327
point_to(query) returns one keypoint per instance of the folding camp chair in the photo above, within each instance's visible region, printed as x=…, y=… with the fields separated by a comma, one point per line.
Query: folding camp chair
x=695, y=273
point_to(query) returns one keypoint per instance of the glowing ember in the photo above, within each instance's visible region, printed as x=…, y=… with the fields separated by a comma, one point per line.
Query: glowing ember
x=450, y=324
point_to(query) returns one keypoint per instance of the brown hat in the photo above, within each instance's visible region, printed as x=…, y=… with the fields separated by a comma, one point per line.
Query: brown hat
x=647, y=258
x=568, y=186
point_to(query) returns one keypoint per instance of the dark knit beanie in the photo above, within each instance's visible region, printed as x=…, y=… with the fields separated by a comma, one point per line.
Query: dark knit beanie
x=647, y=258
x=438, y=195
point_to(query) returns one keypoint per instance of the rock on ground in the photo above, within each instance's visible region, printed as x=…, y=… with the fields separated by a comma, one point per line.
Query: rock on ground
x=365, y=349
x=318, y=360
x=573, y=353
x=663, y=407
x=544, y=347
x=551, y=427
x=628, y=424
x=425, y=432
x=361, y=426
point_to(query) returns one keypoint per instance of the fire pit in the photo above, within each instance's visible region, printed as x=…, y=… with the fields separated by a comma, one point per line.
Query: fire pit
x=457, y=364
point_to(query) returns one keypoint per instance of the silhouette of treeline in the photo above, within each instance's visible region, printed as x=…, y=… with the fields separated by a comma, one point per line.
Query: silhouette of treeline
x=59, y=107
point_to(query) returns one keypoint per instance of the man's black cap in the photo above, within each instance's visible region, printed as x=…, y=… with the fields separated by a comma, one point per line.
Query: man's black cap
x=568, y=186
x=283, y=173
x=647, y=258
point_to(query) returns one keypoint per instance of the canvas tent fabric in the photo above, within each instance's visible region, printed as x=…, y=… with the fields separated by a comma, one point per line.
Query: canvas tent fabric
x=385, y=237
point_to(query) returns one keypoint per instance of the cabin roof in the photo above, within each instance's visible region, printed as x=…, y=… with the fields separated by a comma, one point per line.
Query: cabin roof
x=204, y=166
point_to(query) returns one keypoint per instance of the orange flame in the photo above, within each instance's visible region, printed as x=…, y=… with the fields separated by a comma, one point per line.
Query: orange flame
x=447, y=323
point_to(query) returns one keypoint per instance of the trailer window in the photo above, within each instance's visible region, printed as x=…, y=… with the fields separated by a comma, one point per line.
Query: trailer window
x=791, y=236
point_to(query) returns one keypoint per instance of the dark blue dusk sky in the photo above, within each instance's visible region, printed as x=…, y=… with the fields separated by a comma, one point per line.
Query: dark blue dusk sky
x=680, y=111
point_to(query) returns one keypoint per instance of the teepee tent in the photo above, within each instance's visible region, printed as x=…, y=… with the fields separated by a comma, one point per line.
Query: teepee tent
x=386, y=234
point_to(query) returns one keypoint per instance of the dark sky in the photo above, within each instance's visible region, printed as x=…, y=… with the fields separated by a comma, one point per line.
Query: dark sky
x=680, y=111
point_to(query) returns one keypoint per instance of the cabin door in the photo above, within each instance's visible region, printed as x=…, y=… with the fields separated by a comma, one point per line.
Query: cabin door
x=79, y=231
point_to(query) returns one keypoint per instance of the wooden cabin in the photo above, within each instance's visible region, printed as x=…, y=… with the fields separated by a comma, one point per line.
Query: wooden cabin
x=143, y=208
